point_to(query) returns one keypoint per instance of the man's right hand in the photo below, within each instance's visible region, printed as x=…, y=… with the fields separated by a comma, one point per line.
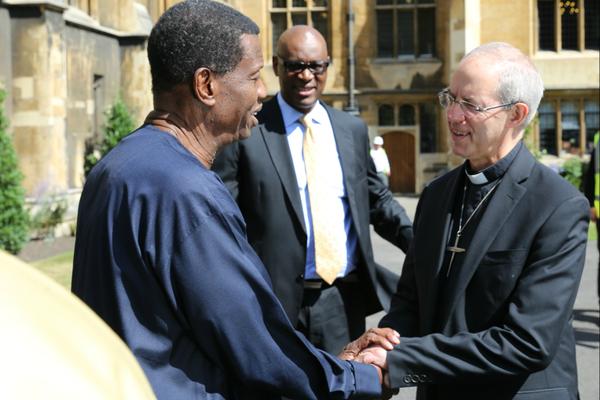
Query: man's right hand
x=375, y=355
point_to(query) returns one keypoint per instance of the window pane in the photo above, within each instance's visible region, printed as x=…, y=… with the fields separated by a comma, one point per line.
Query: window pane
x=278, y=25
x=426, y=1
x=319, y=20
x=592, y=26
x=405, y=33
x=570, y=126
x=320, y=3
x=385, y=41
x=298, y=3
x=279, y=3
x=547, y=128
x=386, y=115
x=546, y=24
x=592, y=120
x=428, y=123
x=570, y=115
x=299, y=18
x=405, y=2
x=384, y=2
x=426, y=36
x=569, y=15
x=406, y=115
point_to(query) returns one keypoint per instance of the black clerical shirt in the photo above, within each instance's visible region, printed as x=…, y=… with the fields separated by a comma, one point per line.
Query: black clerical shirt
x=487, y=180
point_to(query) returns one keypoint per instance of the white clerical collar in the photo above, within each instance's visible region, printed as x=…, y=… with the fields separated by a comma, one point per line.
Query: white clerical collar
x=478, y=178
x=494, y=171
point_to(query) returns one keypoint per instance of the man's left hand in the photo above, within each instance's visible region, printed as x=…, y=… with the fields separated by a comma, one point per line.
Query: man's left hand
x=384, y=338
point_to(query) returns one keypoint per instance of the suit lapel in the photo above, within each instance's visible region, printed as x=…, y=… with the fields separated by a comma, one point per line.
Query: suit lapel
x=274, y=136
x=501, y=205
x=441, y=218
x=344, y=140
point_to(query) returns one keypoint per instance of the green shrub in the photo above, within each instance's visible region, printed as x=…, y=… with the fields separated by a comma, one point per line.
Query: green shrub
x=13, y=216
x=528, y=138
x=572, y=171
x=119, y=124
x=49, y=212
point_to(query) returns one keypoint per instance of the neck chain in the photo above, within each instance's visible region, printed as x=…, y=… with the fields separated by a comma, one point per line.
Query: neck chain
x=454, y=248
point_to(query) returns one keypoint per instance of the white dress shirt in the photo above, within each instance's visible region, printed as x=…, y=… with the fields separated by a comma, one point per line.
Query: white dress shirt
x=333, y=173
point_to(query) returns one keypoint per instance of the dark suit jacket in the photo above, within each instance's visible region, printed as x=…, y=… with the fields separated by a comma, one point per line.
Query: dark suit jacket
x=260, y=175
x=507, y=317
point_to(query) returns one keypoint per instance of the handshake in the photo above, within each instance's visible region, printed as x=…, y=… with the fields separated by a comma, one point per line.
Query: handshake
x=371, y=348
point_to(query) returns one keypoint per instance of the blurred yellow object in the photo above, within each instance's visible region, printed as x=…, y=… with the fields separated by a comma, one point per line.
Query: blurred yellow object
x=52, y=346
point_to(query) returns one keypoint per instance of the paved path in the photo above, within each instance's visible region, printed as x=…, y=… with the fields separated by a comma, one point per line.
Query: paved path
x=586, y=315
x=40, y=249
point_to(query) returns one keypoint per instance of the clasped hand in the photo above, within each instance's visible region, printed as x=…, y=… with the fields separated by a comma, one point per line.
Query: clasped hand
x=371, y=348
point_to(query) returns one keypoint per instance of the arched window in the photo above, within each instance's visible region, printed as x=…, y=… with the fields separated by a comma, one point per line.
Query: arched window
x=406, y=115
x=386, y=115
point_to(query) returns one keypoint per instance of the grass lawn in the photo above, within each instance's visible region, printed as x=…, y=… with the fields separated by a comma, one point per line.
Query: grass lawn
x=58, y=268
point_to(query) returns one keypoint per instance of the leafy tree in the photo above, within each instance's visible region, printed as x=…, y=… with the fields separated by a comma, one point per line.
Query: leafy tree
x=119, y=124
x=14, y=219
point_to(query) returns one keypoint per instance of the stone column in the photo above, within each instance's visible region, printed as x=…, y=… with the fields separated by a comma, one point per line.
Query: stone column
x=464, y=30
x=39, y=90
x=136, y=85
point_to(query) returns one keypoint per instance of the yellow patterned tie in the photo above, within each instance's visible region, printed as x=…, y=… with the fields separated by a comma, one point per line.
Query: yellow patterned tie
x=329, y=256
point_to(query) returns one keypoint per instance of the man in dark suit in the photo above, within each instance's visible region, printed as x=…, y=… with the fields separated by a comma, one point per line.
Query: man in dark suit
x=290, y=206
x=485, y=300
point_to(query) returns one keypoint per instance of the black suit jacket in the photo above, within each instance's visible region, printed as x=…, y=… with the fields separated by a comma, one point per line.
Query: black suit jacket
x=259, y=173
x=507, y=316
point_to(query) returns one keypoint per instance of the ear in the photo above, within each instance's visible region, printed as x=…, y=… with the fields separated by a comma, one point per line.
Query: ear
x=275, y=61
x=519, y=112
x=205, y=86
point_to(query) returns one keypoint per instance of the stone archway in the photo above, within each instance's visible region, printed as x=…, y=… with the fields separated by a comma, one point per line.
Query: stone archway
x=400, y=148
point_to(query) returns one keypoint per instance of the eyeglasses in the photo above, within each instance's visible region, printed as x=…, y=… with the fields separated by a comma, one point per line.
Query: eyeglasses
x=296, y=67
x=446, y=100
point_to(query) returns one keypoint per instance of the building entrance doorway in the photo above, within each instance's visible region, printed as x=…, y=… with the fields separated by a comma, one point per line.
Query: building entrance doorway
x=400, y=149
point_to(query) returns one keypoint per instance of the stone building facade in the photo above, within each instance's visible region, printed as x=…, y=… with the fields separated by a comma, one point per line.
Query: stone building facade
x=406, y=50
x=63, y=62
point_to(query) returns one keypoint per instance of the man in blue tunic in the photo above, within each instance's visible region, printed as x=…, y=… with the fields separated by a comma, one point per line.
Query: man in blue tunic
x=161, y=251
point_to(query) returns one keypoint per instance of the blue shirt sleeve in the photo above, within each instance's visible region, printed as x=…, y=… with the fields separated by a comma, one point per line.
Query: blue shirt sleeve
x=239, y=324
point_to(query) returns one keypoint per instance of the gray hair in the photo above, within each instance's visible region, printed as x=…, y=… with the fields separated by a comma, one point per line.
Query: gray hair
x=518, y=79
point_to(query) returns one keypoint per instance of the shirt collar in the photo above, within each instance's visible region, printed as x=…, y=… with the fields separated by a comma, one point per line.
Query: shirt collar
x=494, y=171
x=291, y=115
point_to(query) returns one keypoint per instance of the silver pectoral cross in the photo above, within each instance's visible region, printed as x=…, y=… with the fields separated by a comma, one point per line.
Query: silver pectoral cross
x=454, y=249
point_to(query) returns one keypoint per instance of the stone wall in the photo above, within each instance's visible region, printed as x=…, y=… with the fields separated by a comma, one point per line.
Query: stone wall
x=62, y=70
x=5, y=62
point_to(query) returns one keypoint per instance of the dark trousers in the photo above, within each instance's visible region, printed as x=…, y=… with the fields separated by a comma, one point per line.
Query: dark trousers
x=332, y=316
